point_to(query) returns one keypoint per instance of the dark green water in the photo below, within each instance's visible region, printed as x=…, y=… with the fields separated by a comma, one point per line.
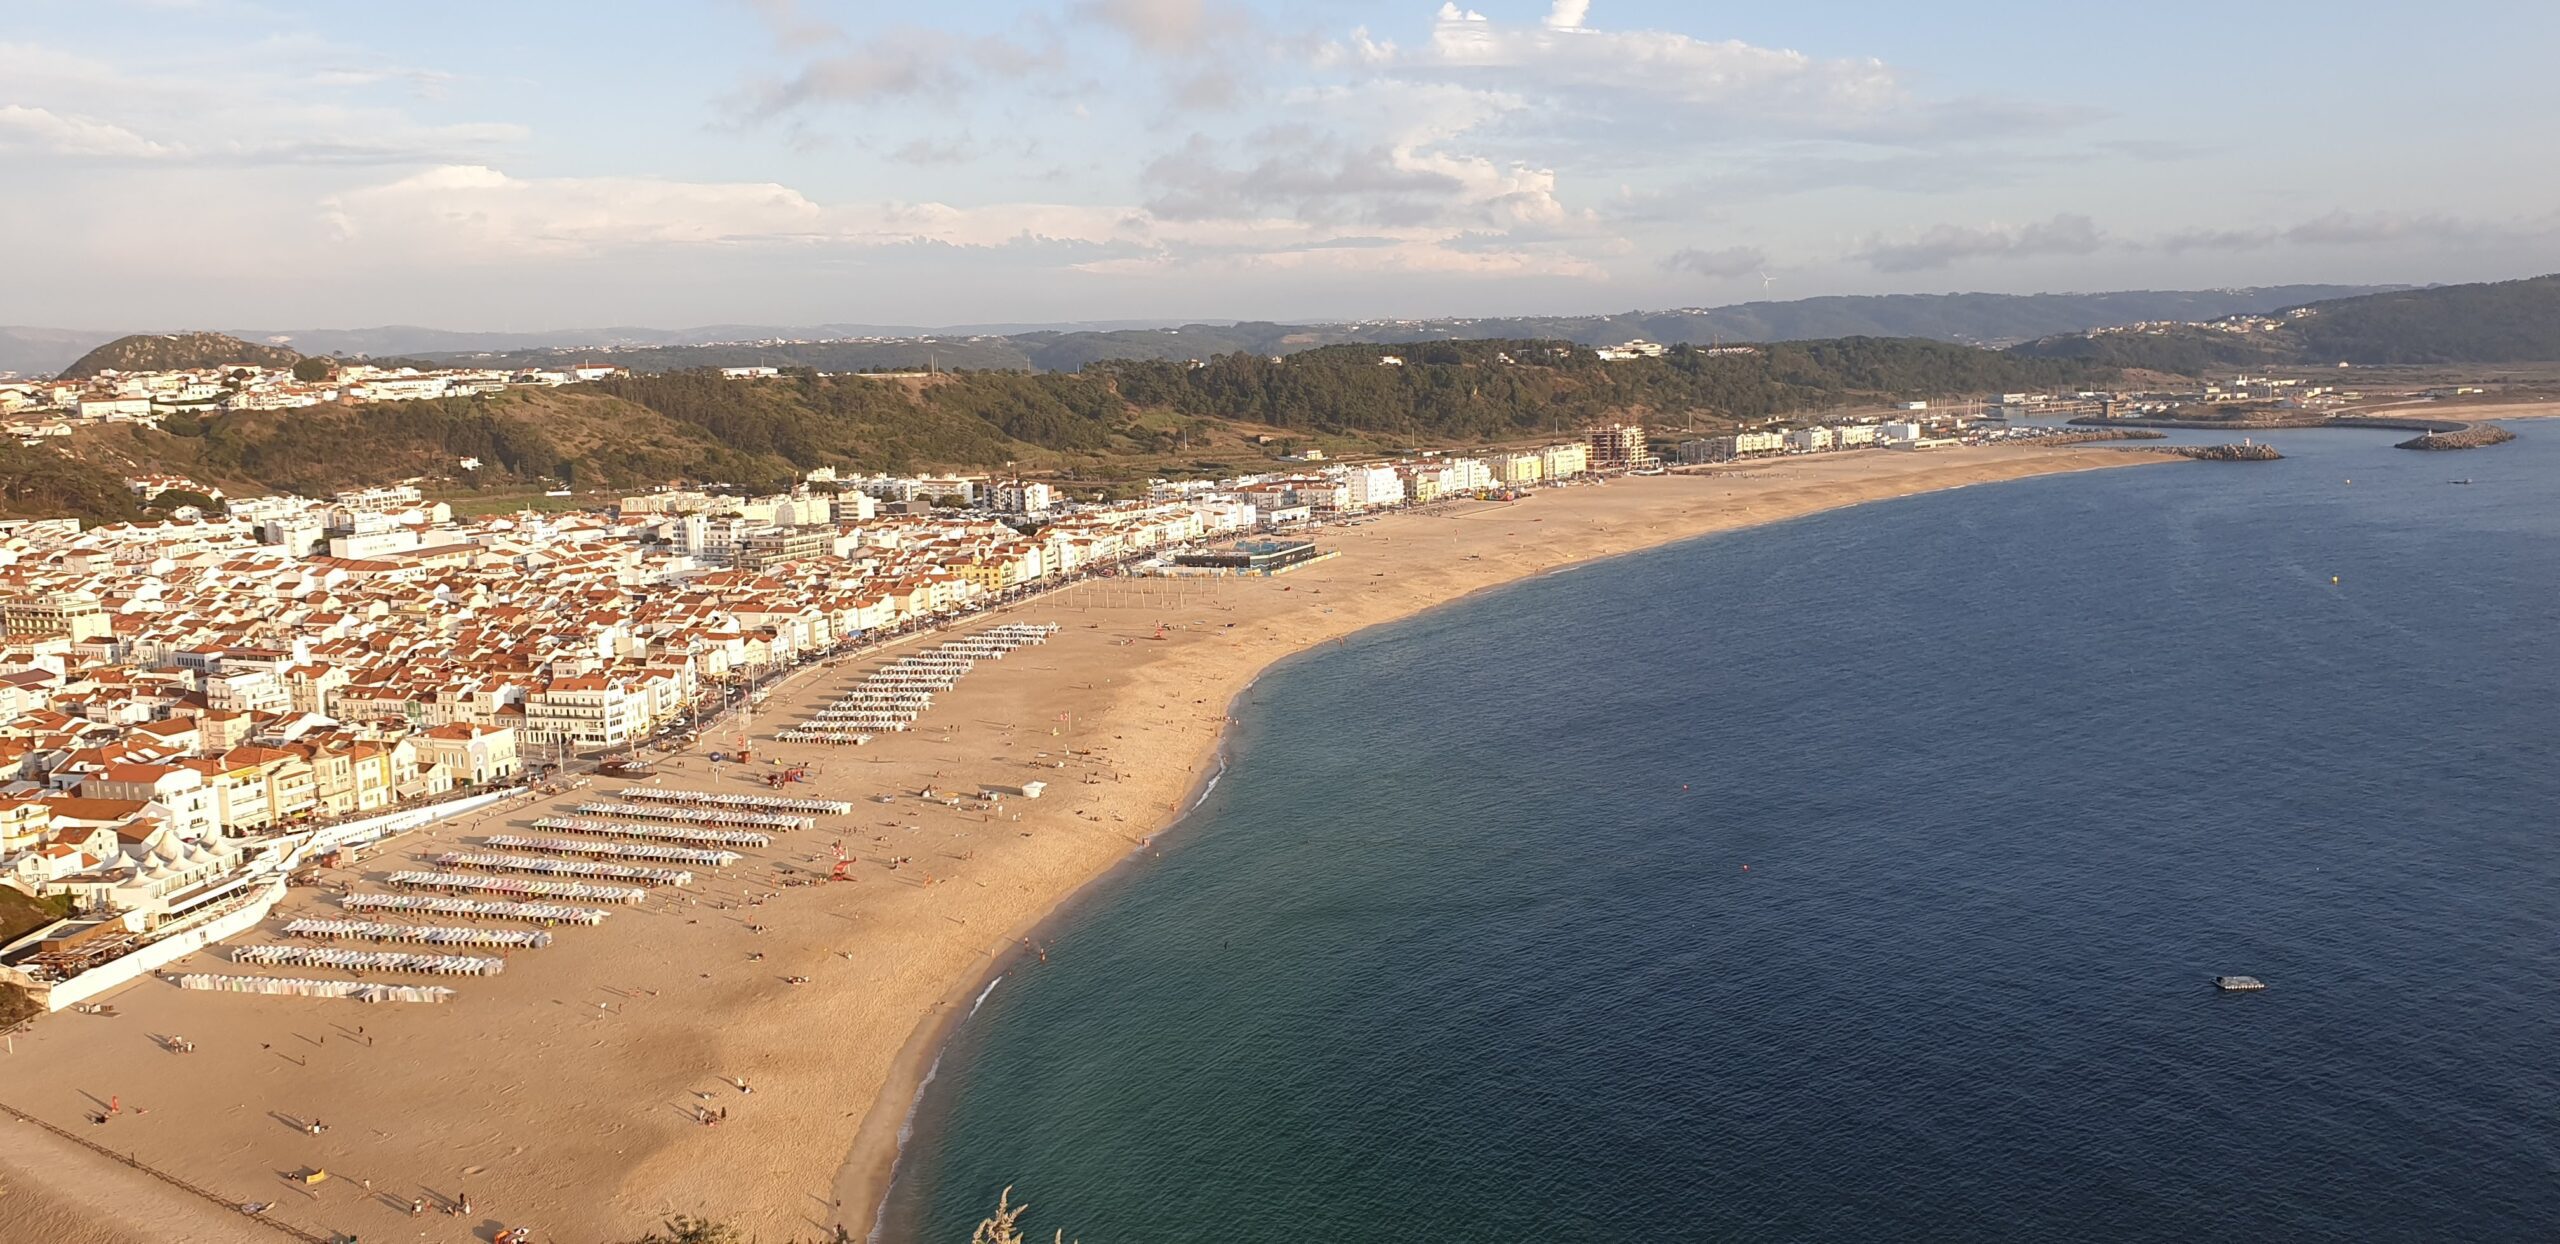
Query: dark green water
x=1853, y=879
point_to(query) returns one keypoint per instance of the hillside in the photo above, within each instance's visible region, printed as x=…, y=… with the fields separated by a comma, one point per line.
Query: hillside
x=1115, y=421
x=1961, y=318
x=2501, y=322
x=1967, y=318
x=42, y=482
x=165, y=352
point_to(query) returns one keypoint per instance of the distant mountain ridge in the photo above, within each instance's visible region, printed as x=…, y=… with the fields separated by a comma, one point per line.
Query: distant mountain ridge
x=169, y=351
x=1974, y=319
x=2494, y=322
x=1968, y=319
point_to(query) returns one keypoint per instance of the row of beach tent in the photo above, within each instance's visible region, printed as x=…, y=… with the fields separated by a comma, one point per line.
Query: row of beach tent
x=363, y=961
x=553, y=866
x=614, y=850
x=361, y=991
x=545, y=914
x=698, y=816
x=837, y=738
x=419, y=934
x=653, y=833
x=736, y=799
x=477, y=883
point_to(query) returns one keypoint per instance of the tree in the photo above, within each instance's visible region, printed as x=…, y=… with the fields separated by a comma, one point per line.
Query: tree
x=173, y=498
x=687, y=1229
x=314, y=370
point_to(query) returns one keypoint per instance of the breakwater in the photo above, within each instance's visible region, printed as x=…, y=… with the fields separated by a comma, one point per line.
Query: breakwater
x=2471, y=436
x=2102, y=434
x=2224, y=453
x=2435, y=433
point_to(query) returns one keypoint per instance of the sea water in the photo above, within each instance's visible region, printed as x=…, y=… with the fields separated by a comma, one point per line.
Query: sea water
x=1859, y=877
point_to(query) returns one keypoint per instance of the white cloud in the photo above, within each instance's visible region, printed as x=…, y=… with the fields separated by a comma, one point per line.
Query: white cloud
x=288, y=101
x=1564, y=53
x=45, y=132
x=792, y=28
x=482, y=213
x=1729, y=262
x=475, y=215
x=1168, y=27
x=1378, y=154
x=1943, y=245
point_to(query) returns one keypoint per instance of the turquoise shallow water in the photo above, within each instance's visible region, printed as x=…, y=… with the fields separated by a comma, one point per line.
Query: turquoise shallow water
x=1856, y=878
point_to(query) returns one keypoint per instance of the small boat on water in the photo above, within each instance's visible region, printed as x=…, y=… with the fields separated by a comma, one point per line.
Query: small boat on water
x=2238, y=984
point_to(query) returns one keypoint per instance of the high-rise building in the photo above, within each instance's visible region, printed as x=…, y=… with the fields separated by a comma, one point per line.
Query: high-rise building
x=1619, y=447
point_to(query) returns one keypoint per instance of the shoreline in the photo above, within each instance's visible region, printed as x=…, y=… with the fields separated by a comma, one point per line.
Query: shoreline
x=872, y=1167
x=562, y=1093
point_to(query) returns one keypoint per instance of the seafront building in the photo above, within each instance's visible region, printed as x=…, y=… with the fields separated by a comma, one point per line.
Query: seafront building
x=183, y=702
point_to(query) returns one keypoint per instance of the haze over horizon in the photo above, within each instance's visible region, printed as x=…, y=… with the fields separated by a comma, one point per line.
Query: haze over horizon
x=783, y=162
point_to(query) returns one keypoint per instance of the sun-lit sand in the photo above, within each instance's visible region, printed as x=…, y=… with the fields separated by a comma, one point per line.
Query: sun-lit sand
x=2468, y=410
x=564, y=1094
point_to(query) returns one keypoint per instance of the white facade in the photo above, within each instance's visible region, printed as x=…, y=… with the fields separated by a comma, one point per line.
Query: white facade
x=1372, y=486
x=1016, y=497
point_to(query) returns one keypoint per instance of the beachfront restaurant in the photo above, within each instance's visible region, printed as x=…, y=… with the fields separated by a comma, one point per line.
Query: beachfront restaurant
x=1251, y=557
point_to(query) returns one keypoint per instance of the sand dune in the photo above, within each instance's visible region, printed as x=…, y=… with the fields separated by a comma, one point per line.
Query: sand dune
x=563, y=1094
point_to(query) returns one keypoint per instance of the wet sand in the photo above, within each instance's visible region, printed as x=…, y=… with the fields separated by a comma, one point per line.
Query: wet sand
x=564, y=1095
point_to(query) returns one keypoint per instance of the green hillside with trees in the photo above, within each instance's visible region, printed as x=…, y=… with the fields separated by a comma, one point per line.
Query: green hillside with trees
x=42, y=482
x=170, y=351
x=1117, y=420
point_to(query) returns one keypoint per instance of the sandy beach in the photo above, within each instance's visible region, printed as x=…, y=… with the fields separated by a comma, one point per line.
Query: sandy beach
x=566, y=1094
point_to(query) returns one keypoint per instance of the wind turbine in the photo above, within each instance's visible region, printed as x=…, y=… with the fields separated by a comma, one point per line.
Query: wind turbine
x=1766, y=281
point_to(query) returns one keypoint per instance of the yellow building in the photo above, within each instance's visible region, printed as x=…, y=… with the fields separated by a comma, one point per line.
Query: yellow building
x=1519, y=468
x=56, y=613
x=985, y=575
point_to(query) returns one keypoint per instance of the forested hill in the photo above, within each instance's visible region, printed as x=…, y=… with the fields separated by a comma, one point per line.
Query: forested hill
x=2500, y=322
x=169, y=351
x=1976, y=319
x=1960, y=318
x=1494, y=389
x=1120, y=420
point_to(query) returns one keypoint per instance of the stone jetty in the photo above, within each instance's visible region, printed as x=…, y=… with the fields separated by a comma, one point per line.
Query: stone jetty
x=2468, y=436
x=2224, y=453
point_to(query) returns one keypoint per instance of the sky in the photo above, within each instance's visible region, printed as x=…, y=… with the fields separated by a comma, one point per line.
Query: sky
x=540, y=164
